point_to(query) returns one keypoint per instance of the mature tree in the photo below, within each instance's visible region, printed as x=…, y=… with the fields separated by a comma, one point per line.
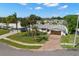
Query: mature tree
x=7, y=21
x=71, y=22
x=24, y=22
x=14, y=19
x=59, y=18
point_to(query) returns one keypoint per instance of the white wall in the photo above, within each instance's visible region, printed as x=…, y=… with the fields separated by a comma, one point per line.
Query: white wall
x=62, y=33
x=13, y=25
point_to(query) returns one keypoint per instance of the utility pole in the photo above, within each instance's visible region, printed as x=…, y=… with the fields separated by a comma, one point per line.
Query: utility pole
x=75, y=38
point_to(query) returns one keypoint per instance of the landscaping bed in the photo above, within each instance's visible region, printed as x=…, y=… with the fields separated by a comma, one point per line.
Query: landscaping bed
x=24, y=37
x=3, y=31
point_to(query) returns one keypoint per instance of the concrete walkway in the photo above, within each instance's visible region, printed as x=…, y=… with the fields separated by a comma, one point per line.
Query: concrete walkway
x=22, y=43
x=66, y=43
x=8, y=34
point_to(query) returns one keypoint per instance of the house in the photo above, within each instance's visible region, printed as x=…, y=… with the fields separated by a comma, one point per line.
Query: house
x=11, y=25
x=53, y=21
x=53, y=29
x=78, y=31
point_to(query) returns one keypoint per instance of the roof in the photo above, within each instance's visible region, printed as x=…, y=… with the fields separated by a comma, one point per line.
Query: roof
x=53, y=27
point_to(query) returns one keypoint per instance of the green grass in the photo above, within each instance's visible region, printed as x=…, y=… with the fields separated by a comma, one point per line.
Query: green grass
x=69, y=39
x=3, y=31
x=19, y=45
x=67, y=46
x=26, y=39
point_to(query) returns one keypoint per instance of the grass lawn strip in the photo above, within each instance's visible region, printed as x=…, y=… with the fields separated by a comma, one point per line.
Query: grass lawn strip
x=19, y=45
x=18, y=42
x=3, y=31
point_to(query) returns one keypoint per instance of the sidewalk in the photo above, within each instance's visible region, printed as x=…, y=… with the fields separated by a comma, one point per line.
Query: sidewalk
x=22, y=43
x=8, y=34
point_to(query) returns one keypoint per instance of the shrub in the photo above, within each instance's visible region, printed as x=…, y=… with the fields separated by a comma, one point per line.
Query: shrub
x=40, y=38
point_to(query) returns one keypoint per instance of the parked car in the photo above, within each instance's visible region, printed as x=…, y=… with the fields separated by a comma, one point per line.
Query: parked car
x=23, y=29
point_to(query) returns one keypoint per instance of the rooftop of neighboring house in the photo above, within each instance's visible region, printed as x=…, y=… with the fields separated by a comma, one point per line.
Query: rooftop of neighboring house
x=54, y=21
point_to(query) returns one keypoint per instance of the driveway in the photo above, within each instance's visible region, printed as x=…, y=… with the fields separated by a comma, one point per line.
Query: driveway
x=53, y=43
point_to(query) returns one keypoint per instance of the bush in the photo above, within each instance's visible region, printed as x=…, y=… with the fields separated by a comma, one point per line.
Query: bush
x=40, y=38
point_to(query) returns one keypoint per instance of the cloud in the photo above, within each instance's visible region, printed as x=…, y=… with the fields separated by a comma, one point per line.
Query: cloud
x=51, y=4
x=64, y=7
x=23, y=3
x=77, y=13
x=38, y=8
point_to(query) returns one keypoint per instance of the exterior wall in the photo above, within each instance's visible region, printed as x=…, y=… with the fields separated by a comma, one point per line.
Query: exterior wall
x=54, y=32
x=49, y=32
x=42, y=30
x=62, y=33
x=12, y=25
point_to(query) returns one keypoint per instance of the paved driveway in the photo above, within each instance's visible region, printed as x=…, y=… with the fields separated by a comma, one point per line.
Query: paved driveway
x=53, y=43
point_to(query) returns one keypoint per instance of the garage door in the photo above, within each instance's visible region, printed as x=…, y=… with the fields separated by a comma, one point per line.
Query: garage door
x=56, y=32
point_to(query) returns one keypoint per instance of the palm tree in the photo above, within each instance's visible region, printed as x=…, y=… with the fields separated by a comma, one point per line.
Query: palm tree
x=7, y=21
x=15, y=20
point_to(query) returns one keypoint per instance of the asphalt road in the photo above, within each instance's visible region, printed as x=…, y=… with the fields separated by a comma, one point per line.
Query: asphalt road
x=5, y=50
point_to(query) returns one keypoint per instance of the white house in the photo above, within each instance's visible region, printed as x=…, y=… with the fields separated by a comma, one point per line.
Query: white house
x=53, y=29
x=11, y=25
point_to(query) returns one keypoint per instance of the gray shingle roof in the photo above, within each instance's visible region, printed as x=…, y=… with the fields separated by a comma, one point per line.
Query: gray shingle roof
x=53, y=27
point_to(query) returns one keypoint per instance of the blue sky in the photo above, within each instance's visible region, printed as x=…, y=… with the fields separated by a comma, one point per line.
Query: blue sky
x=40, y=9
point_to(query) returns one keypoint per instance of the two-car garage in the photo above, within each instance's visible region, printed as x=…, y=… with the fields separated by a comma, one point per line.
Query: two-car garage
x=56, y=32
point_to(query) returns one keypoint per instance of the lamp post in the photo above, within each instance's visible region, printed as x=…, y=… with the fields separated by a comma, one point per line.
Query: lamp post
x=75, y=38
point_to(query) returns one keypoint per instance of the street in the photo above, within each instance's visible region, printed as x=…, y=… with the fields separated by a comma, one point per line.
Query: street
x=5, y=50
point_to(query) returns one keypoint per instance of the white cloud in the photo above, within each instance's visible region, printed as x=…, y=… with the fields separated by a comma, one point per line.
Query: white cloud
x=38, y=8
x=64, y=7
x=23, y=3
x=77, y=13
x=51, y=4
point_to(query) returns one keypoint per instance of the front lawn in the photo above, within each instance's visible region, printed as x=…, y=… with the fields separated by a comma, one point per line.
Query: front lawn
x=69, y=39
x=19, y=45
x=3, y=31
x=24, y=37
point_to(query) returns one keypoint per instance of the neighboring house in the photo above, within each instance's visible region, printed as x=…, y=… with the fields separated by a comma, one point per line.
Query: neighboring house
x=11, y=25
x=78, y=31
x=53, y=29
x=53, y=21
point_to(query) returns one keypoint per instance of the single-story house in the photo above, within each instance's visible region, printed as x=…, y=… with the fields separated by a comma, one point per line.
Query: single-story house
x=11, y=25
x=78, y=31
x=53, y=29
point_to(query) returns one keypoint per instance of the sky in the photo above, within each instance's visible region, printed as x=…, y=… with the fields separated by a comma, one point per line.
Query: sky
x=39, y=9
